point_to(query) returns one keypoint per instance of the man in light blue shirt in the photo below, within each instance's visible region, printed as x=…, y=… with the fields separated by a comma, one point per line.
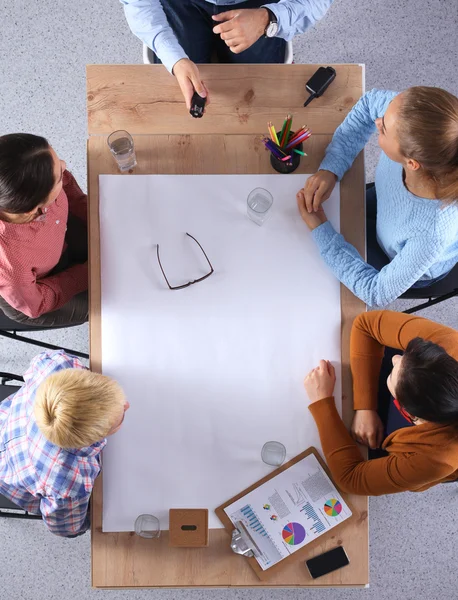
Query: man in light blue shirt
x=182, y=33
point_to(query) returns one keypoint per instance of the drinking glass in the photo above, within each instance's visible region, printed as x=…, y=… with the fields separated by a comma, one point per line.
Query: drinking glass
x=259, y=203
x=273, y=454
x=147, y=526
x=122, y=148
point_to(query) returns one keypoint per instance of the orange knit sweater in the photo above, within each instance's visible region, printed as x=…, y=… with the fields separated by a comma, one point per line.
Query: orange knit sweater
x=419, y=456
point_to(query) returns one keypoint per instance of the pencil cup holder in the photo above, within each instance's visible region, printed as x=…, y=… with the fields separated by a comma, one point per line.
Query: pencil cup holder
x=290, y=165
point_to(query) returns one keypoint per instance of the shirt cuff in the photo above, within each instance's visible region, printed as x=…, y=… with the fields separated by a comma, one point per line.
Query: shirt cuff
x=323, y=234
x=281, y=12
x=168, y=51
x=322, y=409
x=330, y=164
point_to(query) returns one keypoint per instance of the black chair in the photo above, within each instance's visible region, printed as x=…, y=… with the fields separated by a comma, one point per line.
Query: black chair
x=10, y=329
x=8, y=508
x=436, y=293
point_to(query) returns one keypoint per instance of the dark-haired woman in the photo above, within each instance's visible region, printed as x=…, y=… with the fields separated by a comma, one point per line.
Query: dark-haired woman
x=422, y=451
x=43, y=235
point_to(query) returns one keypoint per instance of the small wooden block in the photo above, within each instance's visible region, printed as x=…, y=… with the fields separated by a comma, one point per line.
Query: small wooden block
x=188, y=527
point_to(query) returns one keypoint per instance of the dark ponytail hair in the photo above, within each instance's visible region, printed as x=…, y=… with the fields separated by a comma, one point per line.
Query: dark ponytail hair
x=427, y=386
x=26, y=172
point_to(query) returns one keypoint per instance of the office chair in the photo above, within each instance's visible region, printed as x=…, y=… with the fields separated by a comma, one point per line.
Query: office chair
x=436, y=293
x=148, y=54
x=10, y=329
x=8, y=508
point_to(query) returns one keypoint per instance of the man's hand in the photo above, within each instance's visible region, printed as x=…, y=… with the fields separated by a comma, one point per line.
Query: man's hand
x=240, y=29
x=367, y=428
x=188, y=78
x=320, y=382
x=318, y=189
x=311, y=219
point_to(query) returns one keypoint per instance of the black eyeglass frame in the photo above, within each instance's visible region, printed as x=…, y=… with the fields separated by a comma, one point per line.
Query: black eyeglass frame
x=185, y=285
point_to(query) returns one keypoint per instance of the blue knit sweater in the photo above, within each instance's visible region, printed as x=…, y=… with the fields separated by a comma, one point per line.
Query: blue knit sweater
x=419, y=235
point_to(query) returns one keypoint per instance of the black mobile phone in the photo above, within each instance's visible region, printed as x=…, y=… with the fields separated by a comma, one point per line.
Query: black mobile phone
x=319, y=82
x=197, y=106
x=327, y=562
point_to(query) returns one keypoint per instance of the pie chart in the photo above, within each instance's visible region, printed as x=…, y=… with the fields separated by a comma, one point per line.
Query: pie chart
x=332, y=507
x=293, y=534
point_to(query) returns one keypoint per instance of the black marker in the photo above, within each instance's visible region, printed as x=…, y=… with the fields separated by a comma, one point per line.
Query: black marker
x=197, y=106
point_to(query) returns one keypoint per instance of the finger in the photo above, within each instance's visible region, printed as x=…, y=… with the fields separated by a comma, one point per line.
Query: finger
x=372, y=440
x=235, y=42
x=323, y=365
x=230, y=36
x=301, y=203
x=322, y=195
x=224, y=16
x=331, y=369
x=198, y=85
x=318, y=199
x=240, y=48
x=309, y=195
x=224, y=27
x=187, y=91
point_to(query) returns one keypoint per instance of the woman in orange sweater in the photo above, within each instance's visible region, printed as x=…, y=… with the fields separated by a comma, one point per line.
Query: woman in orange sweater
x=422, y=389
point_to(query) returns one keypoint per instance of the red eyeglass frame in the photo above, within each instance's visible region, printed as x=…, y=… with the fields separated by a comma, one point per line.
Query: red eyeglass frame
x=405, y=414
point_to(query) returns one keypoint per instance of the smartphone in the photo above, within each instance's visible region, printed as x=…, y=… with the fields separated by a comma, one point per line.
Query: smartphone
x=197, y=106
x=327, y=562
x=320, y=80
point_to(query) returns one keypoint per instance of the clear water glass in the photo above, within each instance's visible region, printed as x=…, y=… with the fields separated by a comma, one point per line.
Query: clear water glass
x=122, y=148
x=273, y=454
x=147, y=526
x=259, y=203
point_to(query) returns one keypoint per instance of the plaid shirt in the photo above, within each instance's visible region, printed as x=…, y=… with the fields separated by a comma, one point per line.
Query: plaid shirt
x=35, y=474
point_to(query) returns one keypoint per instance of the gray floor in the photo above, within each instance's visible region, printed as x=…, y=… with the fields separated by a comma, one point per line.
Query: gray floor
x=44, y=47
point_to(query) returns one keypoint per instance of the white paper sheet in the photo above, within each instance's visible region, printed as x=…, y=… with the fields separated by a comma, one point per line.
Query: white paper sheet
x=289, y=511
x=215, y=370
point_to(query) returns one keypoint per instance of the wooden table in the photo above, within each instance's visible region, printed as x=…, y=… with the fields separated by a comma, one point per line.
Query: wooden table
x=146, y=101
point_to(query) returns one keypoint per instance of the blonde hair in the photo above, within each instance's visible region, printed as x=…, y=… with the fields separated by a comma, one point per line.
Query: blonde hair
x=428, y=132
x=75, y=408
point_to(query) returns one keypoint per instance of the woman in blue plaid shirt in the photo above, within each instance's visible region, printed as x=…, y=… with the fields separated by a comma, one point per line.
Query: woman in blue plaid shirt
x=52, y=432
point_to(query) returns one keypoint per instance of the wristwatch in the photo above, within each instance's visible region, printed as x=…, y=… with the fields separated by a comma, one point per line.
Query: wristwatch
x=272, y=28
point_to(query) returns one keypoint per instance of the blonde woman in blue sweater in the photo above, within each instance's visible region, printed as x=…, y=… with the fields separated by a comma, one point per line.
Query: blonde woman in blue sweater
x=412, y=212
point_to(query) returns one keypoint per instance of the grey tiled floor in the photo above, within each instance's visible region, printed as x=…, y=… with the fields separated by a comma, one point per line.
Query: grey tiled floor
x=44, y=47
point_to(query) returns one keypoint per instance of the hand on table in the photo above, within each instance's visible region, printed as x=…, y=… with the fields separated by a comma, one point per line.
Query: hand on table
x=320, y=382
x=367, y=428
x=311, y=219
x=240, y=29
x=189, y=80
x=318, y=188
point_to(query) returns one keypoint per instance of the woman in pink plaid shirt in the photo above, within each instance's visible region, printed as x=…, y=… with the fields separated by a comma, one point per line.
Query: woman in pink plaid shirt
x=43, y=235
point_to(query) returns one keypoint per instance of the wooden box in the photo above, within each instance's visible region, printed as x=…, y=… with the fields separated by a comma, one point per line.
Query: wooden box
x=188, y=527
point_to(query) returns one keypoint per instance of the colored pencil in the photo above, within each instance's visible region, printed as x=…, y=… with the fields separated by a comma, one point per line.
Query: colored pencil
x=298, y=134
x=273, y=133
x=285, y=132
x=300, y=152
x=284, y=127
x=297, y=141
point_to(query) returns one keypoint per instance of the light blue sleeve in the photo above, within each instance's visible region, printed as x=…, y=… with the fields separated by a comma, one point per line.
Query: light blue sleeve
x=375, y=288
x=351, y=137
x=296, y=16
x=147, y=20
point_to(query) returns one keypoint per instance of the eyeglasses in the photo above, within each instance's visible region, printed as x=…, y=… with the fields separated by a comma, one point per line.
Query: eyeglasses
x=180, y=287
x=404, y=413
